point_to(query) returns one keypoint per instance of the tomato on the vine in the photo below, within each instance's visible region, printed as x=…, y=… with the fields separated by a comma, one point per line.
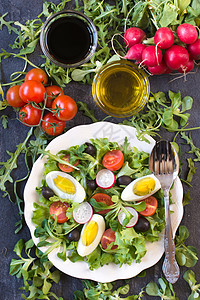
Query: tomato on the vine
x=151, y=206
x=52, y=91
x=30, y=115
x=108, y=238
x=32, y=91
x=65, y=168
x=59, y=209
x=51, y=125
x=104, y=198
x=38, y=75
x=65, y=108
x=13, y=98
x=113, y=160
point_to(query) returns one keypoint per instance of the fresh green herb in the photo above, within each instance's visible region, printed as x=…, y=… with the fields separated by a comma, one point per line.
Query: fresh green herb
x=11, y=163
x=4, y=121
x=35, y=271
x=185, y=255
x=161, y=112
x=165, y=291
x=186, y=198
x=194, y=150
x=3, y=102
x=8, y=24
x=192, y=169
x=97, y=291
x=87, y=112
x=189, y=277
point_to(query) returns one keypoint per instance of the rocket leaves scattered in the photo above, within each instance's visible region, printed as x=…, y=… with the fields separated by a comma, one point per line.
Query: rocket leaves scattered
x=36, y=271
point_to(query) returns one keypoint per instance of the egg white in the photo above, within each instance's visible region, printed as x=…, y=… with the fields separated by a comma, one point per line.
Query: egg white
x=86, y=250
x=128, y=194
x=79, y=195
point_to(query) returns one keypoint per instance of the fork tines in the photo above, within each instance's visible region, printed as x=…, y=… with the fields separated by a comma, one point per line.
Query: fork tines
x=163, y=158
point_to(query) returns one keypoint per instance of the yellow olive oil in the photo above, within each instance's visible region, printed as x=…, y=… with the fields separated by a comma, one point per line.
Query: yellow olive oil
x=120, y=89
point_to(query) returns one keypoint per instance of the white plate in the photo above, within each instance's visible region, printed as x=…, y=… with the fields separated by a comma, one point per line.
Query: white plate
x=80, y=135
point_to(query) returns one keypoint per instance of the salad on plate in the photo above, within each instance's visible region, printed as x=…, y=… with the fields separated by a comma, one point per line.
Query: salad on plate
x=102, y=207
x=94, y=207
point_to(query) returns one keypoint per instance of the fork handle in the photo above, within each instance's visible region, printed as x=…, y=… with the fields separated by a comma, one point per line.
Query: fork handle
x=170, y=267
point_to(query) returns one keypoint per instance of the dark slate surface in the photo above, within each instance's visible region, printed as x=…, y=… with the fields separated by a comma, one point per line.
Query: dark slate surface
x=19, y=10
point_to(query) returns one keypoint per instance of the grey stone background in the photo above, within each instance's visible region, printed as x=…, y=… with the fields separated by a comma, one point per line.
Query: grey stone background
x=19, y=10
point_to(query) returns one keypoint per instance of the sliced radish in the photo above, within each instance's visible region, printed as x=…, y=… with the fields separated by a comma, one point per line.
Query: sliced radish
x=133, y=220
x=105, y=179
x=83, y=213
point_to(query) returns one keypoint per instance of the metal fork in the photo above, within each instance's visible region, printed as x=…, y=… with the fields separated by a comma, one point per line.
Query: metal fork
x=164, y=163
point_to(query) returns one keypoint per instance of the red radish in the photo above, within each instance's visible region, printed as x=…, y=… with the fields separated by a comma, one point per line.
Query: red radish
x=187, y=68
x=133, y=220
x=105, y=179
x=187, y=33
x=83, y=213
x=135, y=52
x=151, y=56
x=159, y=69
x=194, y=50
x=134, y=35
x=164, y=38
x=176, y=57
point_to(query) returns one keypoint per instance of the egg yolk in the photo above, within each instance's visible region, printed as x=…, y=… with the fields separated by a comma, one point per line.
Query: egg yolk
x=65, y=185
x=144, y=186
x=89, y=233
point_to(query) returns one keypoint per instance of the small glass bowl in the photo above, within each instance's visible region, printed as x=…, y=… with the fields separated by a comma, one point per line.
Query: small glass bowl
x=80, y=17
x=120, y=88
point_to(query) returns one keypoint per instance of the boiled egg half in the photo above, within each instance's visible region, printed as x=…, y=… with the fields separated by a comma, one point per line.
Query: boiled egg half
x=91, y=235
x=65, y=186
x=141, y=188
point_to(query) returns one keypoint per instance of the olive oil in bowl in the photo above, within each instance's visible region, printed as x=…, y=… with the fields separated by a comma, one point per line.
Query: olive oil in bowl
x=120, y=88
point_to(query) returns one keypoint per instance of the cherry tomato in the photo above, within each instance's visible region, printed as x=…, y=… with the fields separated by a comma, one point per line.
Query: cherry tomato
x=29, y=115
x=51, y=125
x=66, y=168
x=107, y=238
x=13, y=97
x=151, y=206
x=113, y=160
x=38, y=75
x=53, y=91
x=59, y=209
x=104, y=198
x=32, y=90
x=66, y=107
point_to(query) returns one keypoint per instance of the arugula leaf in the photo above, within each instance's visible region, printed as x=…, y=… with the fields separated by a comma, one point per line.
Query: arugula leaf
x=186, y=198
x=8, y=24
x=192, y=169
x=11, y=163
x=4, y=121
x=195, y=150
x=87, y=112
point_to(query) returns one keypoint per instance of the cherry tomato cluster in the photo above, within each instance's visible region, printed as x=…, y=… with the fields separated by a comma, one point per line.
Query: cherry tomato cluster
x=170, y=50
x=41, y=104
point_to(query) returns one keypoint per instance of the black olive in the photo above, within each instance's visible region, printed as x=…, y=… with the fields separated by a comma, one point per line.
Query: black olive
x=91, y=184
x=47, y=192
x=124, y=180
x=90, y=149
x=142, y=224
x=74, y=235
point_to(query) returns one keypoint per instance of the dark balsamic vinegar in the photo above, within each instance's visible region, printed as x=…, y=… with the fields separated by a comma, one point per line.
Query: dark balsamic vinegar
x=69, y=40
